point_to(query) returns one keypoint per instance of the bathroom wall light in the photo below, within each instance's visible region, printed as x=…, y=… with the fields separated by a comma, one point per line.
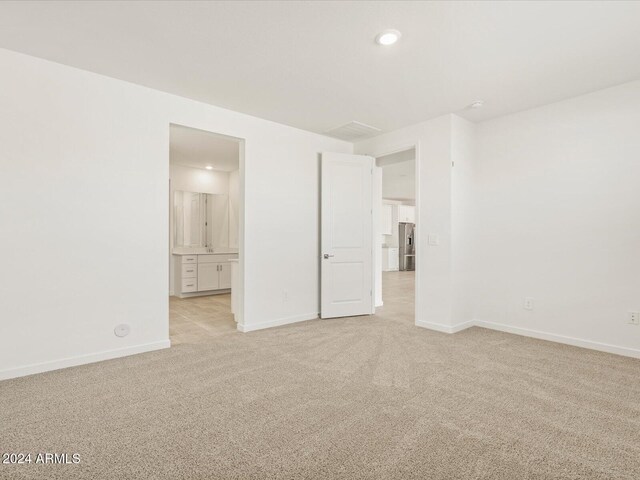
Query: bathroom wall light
x=388, y=37
x=209, y=167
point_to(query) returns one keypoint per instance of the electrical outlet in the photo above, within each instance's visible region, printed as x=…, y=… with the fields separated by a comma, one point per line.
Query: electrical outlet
x=528, y=303
x=633, y=318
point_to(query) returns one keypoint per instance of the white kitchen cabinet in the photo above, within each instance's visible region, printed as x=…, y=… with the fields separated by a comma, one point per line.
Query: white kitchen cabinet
x=386, y=219
x=407, y=213
x=202, y=274
x=390, y=259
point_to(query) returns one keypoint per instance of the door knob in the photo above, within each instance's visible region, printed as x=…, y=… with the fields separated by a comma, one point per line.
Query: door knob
x=326, y=255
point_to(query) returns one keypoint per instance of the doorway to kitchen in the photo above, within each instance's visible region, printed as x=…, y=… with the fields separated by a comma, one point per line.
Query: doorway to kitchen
x=397, y=233
x=205, y=228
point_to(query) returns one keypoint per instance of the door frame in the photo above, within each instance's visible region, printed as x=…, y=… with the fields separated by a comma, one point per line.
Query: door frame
x=397, y=149
x=240, y=295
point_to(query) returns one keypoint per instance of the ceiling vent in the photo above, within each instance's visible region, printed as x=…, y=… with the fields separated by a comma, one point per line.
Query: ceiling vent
x=352, y=131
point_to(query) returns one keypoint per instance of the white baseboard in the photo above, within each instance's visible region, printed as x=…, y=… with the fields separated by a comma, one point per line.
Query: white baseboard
x=525, y=332
x=277, y=323
x=441, y=327
x=552, y=337
x=82, y=359
x=148, y=347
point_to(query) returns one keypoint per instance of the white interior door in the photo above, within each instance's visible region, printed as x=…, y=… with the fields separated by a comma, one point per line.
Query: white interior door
x=346, y=286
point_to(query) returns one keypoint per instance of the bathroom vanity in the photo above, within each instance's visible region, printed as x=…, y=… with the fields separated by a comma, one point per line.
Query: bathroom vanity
x=202, y=273
x=201, y=250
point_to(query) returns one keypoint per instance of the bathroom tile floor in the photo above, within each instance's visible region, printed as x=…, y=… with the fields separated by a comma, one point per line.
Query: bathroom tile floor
x=196, y=319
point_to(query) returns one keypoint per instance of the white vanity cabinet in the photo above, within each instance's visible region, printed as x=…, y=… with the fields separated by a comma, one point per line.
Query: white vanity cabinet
x=214, y=272
x=202, y=274
x=224, y=276
x=208, y=276
x=235, y=285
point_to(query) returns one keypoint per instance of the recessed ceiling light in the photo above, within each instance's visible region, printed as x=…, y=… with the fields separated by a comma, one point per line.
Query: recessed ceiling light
x=388, y=37
x=209, y=167
x=477, y=104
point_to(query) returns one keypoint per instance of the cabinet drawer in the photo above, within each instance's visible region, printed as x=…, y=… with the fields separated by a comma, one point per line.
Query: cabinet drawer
x=189, y=259
x=189, y=285
x=189, y=270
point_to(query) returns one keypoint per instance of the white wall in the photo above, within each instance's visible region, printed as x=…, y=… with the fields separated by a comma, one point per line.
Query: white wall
x=553, y=213
x=399, y=182
x=433, y=212
x=234, y=208
x=190, y=179
x=89, y=148
x=543, y=204
x=377, y=236
x=464, y=249
x=557, y=209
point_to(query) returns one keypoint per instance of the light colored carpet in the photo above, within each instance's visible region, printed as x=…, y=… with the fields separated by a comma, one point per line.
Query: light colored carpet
x=356, y=398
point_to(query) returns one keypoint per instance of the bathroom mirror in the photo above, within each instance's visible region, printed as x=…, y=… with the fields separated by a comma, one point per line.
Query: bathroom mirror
x=200, y=220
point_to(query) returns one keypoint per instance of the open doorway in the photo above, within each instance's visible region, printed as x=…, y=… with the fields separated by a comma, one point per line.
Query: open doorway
x=397, y=229
x=204, y=226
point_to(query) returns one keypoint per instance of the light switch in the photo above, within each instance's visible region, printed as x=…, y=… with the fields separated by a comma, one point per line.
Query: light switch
x=433, y=239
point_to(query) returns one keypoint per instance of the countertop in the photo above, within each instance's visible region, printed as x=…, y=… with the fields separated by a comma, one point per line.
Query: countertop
x=204, y=253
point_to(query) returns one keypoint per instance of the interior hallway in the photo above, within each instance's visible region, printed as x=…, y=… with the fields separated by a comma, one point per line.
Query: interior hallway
x=398, y=296
x=362, y=397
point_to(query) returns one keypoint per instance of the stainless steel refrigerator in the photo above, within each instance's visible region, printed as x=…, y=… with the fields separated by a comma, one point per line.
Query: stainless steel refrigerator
x=407, y=241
